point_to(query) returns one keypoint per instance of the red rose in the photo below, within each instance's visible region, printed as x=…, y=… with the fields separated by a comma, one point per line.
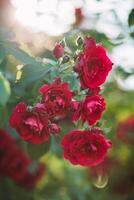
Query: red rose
x=6, y=142
x=86, y=148
x=6, y=146
x=89, y=42
x=32, y=126
x=56, y=98
x=58, y=51
x=93, y=65
x=15, y=163
x=90, y=109
x=125, y=130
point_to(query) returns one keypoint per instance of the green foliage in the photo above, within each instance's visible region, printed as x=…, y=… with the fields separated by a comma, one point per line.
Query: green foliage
x=31, y=73
x=4, y=90
x=131, y=18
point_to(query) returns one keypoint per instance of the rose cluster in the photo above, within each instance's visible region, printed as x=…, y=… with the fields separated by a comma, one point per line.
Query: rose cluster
x=88, y=147
x=35, y=124
x=15, y=163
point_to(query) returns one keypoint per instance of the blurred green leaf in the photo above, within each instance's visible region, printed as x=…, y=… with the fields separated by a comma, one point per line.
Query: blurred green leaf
x=131, y=18
x=12, y=49
x=4, y=90
x=34, y=72
x=2, y=53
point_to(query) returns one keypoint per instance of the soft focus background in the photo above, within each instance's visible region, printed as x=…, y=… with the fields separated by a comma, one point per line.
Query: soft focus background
x=28, y=32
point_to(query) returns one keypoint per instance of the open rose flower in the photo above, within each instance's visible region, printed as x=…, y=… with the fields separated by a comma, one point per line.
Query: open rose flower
x=86, y=148
x=13, y=161
x=56, y=98
x=93, y=65
x=90, y=109
x=15, y=164
x=6, y=146
x=31, y=125
x=125, y=130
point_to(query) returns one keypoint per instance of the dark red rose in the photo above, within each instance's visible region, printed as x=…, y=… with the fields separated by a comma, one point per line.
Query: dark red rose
x=58, y=51
x=6, y=142
x=93, y=65
x=125, y=130
x=6, y=146
x=56, y=98
x=15, y=163
x=86, y=148
x=30, y=179
x=90, y=109
x=31, y=125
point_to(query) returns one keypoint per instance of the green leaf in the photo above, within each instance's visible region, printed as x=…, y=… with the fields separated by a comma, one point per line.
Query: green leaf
x=4, y=90
x=34, y=72
x=131, y=18
x=72, y=81
x=2, y=53
x=19, y=54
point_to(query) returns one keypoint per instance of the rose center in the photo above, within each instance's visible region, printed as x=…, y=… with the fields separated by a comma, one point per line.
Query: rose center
x=34, y=124
x=92, y=106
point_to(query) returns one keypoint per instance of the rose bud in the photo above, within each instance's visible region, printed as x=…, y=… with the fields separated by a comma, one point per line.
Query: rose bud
x=58, y=51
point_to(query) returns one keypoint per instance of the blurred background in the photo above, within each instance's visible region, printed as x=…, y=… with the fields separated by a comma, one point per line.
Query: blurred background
x=28, y=32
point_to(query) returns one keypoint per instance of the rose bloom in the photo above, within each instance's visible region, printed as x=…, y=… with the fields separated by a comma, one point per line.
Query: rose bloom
x=32, y=126
x=125, y=130
x=6, y=146
x=6, y=142
x=90, y=109
x=58, y=51
x=15, y=164
x=93, y=65
x=56, y=98
x=86, y=148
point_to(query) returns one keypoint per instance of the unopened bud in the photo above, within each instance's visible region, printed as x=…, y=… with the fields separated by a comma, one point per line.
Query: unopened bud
x=58, y=51
x=79, y=41
x=65, y=59
x=54, y=128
